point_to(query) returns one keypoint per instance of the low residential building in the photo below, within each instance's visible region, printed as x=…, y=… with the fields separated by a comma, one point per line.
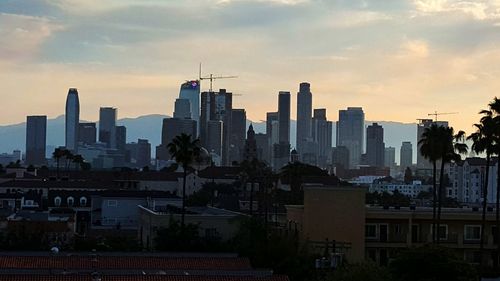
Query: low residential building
x=410, y=190
x=212, y=222
x=467, y=179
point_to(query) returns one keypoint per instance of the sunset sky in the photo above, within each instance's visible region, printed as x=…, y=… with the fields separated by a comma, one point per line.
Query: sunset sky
x=397, y=59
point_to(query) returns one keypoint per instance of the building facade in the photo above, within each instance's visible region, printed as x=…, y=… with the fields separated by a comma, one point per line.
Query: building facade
x=350, y=132
x=36, y=140
x=72, y=118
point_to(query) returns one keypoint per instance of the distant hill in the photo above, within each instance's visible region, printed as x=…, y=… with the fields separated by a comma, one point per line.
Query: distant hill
x=149, y=127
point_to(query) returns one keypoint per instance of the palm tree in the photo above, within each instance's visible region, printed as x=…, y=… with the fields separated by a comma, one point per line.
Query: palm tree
x=78, y=161
x=430, y=150
x=58, y=154
x=484, y=141
x=495, y=110
x=184, y=150
x=69, y=157
x=452, y=146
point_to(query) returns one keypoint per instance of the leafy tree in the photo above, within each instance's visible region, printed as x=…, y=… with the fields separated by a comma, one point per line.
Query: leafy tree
x=408, y=175
x=78, y=161
x=2, y=170
x=484, y=141
x=184, y=150
x=431, y=263
x=57, y=155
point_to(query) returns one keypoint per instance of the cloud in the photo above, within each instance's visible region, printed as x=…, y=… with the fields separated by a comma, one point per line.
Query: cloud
x=415, y=48
x=479, y=10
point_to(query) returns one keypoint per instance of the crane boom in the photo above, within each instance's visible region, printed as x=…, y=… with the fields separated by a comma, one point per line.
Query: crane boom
x=436, y=114
x=212, y=77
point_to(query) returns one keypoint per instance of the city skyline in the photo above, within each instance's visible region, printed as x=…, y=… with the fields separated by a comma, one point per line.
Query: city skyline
x=353, y=54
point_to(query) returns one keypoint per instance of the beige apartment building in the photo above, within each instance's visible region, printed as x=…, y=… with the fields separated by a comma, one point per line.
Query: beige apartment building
x=379, y=233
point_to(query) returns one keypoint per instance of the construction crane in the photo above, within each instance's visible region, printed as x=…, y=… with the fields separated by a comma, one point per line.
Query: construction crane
x=436, y=114
x=211, y=77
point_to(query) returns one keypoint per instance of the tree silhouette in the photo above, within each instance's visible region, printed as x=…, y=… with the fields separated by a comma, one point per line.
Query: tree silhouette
x=184, y=150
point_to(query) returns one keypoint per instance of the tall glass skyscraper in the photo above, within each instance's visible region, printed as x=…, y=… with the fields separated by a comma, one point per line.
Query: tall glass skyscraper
x=107, y=126
x=304, y=117
x=350, y=132
x=190, y=90
x=36, y=139
x=72, y=119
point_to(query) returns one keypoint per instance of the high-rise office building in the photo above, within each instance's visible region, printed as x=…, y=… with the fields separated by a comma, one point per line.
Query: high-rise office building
x=36, y=140
x=272, y=133
x=322, y=138
x=284, y=117
x=350, y=131
x=423, y=124
x=190, y=90
x=390, y=157
x=72, y=117
x=263, y=150
x=406, y=155
x=171, y=128
x=304, y=119
x=107, y=126
x=340, y=157
x=182, y=109
x=217, y=106
x=215, y=137
x=281, y=150
x=139, y=153
x=87, y=133
x=121, y=138
x=239, y=122
x=375, y=148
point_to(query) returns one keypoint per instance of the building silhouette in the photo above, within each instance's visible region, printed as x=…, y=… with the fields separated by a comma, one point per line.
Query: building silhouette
x=87, y=133
x=121, y=138
x=182, y=109
x=322, y=137
x=281, y=150
x=350, y=131
x=107, y=126
x=171, y=128
x=375, y=148
x=36, y=140
x=139, y=153
x=190, y=90
x=390, y=157
x=215, y=138
x=304, y=119
x=250, y=151
x=272, y=133
x=406, y=155
x=72, y=118
x=238, y=131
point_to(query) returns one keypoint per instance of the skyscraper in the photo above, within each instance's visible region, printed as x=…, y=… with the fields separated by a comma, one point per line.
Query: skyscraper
x=121, y=138
x=87, y=133
x=272, y=133
x=140, y=153
x=215, y=137
x=350, y=131
x=217, y=106
x=304, y=118
x=190, y=90
x=390, y=157
x=239, y=121
x=182, y=109
x=107, y=126
x=322, y=138
x=36, y=139
x=171, y=128
x=281, y=150
x=284, y=117
x=72, y=119
x=375, y=148
x=406, y=155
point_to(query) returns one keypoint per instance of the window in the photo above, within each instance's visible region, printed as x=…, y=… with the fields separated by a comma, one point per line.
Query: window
x=112, y=203
x=397, y=229
x=443, y=231
x=211, y=233
x=83, y=201
x=57, y=201
x=472, y=232
x=371, y=231
x=70, y=201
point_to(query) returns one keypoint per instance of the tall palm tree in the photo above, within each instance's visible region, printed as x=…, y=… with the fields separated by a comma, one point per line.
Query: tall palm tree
x=57, y=155
x=68, y=155
x=452, y=147
x=431, y=150
x=495, y=110
x=78, y=161
x=484, y=141
x=184, y=150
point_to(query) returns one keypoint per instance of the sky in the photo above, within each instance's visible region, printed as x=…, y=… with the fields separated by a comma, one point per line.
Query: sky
x=398, y=59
